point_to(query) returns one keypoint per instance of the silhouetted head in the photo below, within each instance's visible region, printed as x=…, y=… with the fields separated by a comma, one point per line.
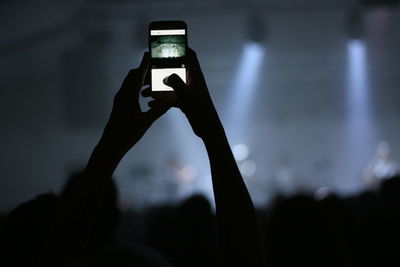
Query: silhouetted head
x=106, y=192
x=389, y=191
x=196, y=233
x=299, y=232
x=126, y=255
x=26, y=229
x=195, y=208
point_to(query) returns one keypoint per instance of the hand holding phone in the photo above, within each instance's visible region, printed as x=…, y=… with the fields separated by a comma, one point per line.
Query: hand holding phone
x=192, y=98
x=127, y=122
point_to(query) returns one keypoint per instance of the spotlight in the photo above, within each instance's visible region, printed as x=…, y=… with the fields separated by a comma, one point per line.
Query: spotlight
x=243, y=91
x=240, y=152
x=355, y=24
x=323, y=193
x=256, y=28
x=248, y=168
x=357, y=79
x=381, y=2
x=360, y=132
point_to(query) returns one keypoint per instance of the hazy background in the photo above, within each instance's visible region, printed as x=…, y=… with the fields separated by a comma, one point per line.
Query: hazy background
x=61, y=62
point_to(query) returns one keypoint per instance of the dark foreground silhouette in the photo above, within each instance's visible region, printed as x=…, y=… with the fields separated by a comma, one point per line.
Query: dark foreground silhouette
x=81, y=222
x=83, y=227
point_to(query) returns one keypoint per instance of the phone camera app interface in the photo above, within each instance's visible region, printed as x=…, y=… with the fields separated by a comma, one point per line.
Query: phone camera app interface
x=168, y=49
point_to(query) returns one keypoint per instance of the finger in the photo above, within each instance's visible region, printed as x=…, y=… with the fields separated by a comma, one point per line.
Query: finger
x=128, y=80
x=141, y=72
x=156, y=111
x=193, y=64
x=169, y=101
x=147, y=76
x=192, y=60
x=152, y=103
x=134, y=80
x=176, y=83
x=146, y=92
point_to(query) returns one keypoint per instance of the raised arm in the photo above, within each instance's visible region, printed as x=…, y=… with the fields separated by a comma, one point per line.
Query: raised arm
x=72, y=234
x=127, y=123
x=237, y=225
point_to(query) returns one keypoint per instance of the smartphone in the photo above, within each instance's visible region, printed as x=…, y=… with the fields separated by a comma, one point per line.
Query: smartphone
x=168, y=48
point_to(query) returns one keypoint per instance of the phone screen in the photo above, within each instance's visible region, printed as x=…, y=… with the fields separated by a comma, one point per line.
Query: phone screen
x=168, y=51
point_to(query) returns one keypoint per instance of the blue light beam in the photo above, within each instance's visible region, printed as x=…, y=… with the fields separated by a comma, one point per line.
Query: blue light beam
x=243, y=91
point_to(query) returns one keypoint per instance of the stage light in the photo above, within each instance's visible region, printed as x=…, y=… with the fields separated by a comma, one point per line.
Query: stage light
x=355, y=24
x=256, y=27
x=379, y=3
x=248, y=168
x=243, y=91
x=240, y=152
x=323, y=192
x=360, y=134
x=357, y=84
x=187, y=174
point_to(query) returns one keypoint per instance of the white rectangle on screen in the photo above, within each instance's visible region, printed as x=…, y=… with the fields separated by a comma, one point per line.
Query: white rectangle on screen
x=157, y=76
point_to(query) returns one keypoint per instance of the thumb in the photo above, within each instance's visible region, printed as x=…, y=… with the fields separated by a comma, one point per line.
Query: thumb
x=176, y=83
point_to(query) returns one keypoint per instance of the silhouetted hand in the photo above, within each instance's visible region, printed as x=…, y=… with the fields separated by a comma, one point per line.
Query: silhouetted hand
x=128, y=123
x=192, y=98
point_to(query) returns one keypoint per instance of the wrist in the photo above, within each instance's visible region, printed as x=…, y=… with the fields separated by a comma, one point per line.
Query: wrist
x=214, y=135
x=109, y=147
x=118, y=141
x=104, y=158
x=206, y=124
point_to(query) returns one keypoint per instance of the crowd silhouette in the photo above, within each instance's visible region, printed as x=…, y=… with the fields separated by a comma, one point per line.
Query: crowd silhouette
x=84, y=227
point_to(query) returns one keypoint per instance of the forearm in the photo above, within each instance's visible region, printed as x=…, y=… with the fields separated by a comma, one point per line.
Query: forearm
x=237, y=223
x=84, y=200
x=104, y=159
